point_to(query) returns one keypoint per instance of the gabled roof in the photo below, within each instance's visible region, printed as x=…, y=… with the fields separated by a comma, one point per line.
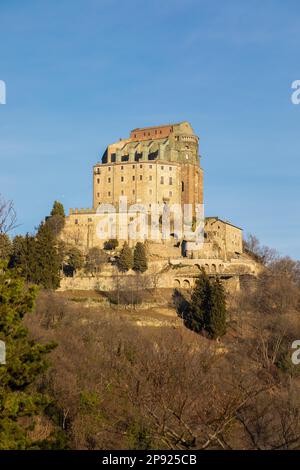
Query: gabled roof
x=224, y=221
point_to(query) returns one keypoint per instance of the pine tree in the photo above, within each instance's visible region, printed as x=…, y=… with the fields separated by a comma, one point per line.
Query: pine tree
x=140, y=263
x=125, y=262
x=25, y=361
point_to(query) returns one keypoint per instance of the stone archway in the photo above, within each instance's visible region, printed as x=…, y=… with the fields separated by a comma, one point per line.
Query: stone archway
x=213, y=269
x=186, y=284
x=176, y=283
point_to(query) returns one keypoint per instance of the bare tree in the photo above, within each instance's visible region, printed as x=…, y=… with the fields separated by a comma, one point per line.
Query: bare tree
x=8, y=217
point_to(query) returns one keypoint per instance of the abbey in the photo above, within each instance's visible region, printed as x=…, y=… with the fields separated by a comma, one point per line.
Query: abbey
x=158, y=165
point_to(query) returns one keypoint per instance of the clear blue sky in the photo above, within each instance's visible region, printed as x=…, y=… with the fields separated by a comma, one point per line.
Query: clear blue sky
x=82, y=73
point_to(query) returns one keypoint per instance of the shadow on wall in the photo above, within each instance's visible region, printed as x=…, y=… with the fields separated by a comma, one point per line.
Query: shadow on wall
x=182, y=306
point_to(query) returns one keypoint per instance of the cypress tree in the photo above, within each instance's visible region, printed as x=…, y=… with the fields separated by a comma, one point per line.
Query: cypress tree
x=56, y=220
x=208, y=307
x=140, y=263
x=125, y=262
x=199, y=302
x=215, y=321
x=47, y=259
x=58, y=209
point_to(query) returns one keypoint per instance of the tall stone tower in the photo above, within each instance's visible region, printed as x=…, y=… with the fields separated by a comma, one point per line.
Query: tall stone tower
x=158, y=164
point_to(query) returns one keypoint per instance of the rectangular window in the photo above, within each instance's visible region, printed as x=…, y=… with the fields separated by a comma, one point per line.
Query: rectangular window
x=122, y=168
x=98, y=194
x=122, y=178
x=141, y=177
x=133, y=166
x=122, y=193
x=133, y=178
x=76, y=221
x=150, y=191
x=141, y=166
x=170, y=181
x=109, y=168
x=161, y=167
x=109, y=180
x=150, y=178
x=89, y=219
x=150, y=166
x=98, y=180
x=170, y=168
x=170, y=193
x=133, y=191
x=161, y=180
x=109, y=193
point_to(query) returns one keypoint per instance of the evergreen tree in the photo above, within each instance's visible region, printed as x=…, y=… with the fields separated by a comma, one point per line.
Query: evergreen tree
x=58, y=209
x=56, y=220
x=47, y=259
x=125, y=262
x=208, y=307
x=25, y=361
x=215, y=320
x=23, y=256
x=140, y=263
x=5, y=247
x=199, y=302
x=111, y=244
x=74, y=260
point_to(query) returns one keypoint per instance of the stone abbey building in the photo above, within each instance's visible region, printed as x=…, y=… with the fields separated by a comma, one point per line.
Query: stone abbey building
x=154, y=165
